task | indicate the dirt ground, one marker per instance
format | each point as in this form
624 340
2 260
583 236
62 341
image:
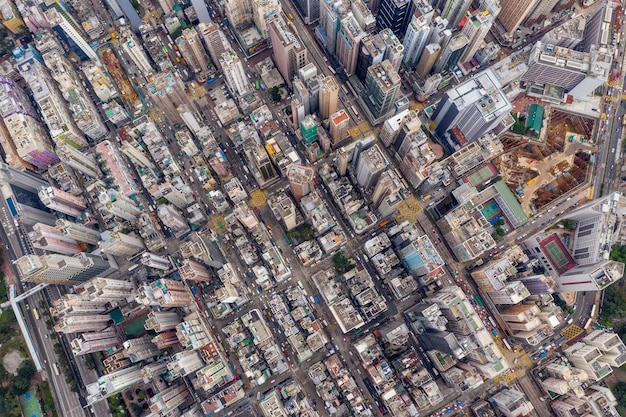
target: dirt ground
12 361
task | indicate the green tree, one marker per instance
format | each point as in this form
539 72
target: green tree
25 374
342 263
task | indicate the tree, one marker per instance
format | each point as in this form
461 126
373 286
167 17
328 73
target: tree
342 263
25 373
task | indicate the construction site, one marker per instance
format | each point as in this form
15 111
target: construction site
540 170
128 94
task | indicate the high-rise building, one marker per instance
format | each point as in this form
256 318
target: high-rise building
214 39
475 107
112 383
94 342
290 54
81 106
78 160
168 93
578 73
382 85
140 348
78 231
51 103
160 321
203 249
394 50
395 15
430 86
105 290
61 269
300 180
170 293
597 353
67 28
262 12
173 218
167 401
454 11
329 97
120 244
371 52
48 238
512 403
427 60
514 12
19 190
331 14
417 34
115 204
194 271
234 73
363 16
339 123
131 45
348 43
83 323
136 153
476 28
11 17
165 340
27 144
449 56
183 363
309 9
190 46
371 164
60 201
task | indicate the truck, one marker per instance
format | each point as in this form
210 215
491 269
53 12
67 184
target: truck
494 332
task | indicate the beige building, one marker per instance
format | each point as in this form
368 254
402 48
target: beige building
191 48
513 14
329 97
290 54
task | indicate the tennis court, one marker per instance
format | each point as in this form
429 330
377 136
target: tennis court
555 253
482 175
30 405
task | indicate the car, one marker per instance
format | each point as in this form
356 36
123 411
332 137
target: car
45 335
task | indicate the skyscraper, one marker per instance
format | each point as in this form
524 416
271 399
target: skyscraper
78 231
61 269
160 321
300 180
339 123
262 12
53 107
450 55
348 43
290 54
427 60
370 165
372 51
454 11
63 202
78 160
94 342
112 383
476 28
309 9
475 107
394 50
191 48
381 89
50 239
415 39
234 73
329 97
194 271
120 244
100 290
168 93
514 12
214 39
65 26
28 144
395 15
134 48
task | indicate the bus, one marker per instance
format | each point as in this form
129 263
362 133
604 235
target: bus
624 120
356 113
479 300
344 89
492 321
332 70
36 314
256 84
55 368
593 311
506 343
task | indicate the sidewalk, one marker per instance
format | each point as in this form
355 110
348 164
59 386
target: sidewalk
9 273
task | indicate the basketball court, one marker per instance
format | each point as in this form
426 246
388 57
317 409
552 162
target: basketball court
30 405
